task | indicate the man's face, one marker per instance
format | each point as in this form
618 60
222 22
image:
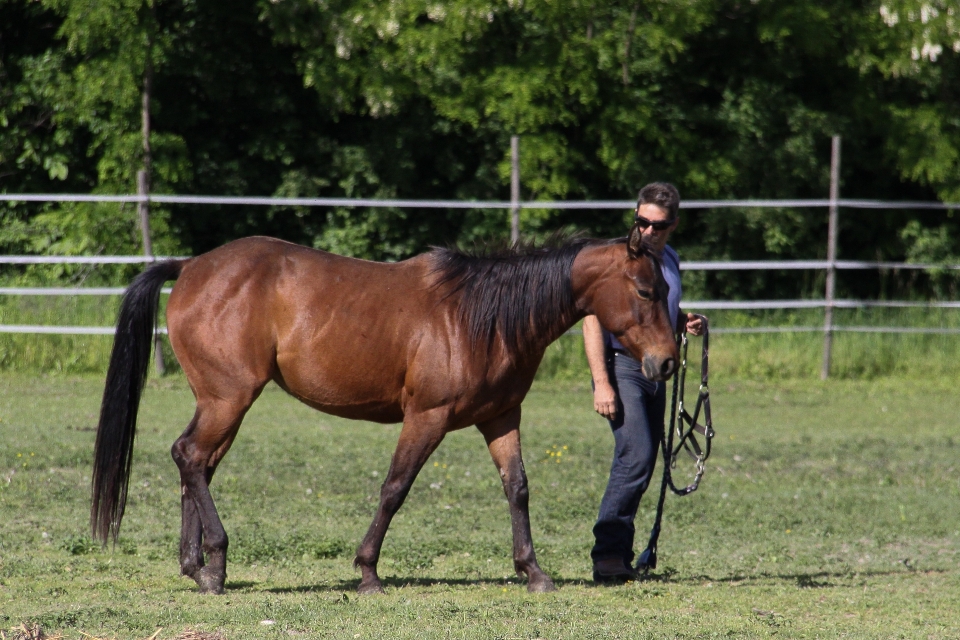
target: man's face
651 213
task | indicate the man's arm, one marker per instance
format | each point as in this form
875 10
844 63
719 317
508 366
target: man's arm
604 397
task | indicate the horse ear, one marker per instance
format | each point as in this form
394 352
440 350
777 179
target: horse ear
635 242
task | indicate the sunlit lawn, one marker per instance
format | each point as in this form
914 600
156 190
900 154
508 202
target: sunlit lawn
828 510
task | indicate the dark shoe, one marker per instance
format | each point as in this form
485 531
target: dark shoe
612 571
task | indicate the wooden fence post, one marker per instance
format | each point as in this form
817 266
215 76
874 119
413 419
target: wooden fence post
831 257
143 208
514 189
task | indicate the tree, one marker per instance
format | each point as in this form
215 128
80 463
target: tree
84 85
416 99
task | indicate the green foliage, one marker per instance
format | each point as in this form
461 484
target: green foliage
413 99
935 245
922 46
74 113
79 545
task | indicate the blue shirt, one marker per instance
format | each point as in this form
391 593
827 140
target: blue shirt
670 267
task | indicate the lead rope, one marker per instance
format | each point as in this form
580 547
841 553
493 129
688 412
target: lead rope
686 427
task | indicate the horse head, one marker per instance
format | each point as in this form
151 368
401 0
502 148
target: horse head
624 288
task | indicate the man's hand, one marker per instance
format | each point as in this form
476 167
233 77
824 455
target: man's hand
694 324
605 400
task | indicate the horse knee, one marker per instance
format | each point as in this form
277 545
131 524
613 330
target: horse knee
516 488
392 495
189 460
179 454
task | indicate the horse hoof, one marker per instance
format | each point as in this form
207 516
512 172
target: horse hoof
372 588
543 585
210 582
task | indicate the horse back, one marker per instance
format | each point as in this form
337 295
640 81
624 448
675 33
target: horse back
337 333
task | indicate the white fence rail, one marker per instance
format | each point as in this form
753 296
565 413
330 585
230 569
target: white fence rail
829 265
62 330
692 305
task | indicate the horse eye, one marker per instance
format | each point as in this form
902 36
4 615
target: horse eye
645 294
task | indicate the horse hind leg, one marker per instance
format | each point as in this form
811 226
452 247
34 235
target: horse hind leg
197 453
191 531
503 440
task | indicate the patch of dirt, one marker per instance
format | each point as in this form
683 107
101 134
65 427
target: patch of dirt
28 632
190 634
33 632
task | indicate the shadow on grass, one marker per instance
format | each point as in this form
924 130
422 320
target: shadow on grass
240 585
812 580
398 583
802 580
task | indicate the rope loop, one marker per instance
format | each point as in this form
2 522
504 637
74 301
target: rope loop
683 424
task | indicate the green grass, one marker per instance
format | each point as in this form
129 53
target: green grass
68 354
855 355
828 510
56 353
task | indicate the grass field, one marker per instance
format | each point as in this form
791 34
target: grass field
829 510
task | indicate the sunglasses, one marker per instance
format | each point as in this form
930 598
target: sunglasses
660 225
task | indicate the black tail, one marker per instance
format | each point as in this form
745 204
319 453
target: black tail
126 377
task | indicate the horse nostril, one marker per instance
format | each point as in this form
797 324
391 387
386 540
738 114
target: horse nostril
668 367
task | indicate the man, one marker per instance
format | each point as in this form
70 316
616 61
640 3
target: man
632 404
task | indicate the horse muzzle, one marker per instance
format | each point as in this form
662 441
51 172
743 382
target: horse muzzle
659 369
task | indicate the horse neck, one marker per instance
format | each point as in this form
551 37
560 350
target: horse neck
522 302
592 266
555 319
555 316
550 332
594 261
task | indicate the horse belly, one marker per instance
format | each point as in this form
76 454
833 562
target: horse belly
384 412
339 377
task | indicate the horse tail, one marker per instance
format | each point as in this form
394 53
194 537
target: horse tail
126 377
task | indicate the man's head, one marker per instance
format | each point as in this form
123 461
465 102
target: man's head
658 204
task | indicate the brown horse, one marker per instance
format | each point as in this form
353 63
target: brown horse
440 342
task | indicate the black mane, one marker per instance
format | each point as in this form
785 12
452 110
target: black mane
521 292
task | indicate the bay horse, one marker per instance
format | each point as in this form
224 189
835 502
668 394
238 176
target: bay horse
439 342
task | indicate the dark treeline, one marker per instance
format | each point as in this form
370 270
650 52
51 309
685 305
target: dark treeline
416 99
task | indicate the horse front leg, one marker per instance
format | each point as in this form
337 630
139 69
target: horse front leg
419 437
503 440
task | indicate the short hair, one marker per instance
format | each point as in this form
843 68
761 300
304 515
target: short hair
662 194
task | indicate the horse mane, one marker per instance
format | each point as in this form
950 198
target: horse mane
520 292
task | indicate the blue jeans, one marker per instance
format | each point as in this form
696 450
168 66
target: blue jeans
637 432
